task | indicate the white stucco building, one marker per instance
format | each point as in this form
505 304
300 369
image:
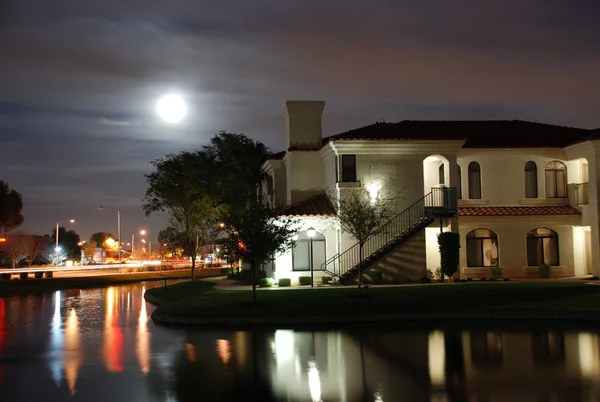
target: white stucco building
527 194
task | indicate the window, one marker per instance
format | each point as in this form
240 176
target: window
542 247
474 181
458 182
531 184
482 248
441 174
301 252
348 168
556 180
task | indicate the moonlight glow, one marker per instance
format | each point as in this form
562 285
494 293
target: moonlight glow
171 108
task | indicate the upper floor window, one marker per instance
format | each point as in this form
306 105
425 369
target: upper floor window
556 180
542 247
474 181
348 168
441 174
482 248
458 182
531 183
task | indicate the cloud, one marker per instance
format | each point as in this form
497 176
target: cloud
119 123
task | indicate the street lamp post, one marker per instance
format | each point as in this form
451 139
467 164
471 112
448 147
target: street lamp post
311 232
57 249
143 233
118 230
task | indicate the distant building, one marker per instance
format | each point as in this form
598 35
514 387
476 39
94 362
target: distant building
98 257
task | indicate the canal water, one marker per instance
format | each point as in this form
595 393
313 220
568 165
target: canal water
101 345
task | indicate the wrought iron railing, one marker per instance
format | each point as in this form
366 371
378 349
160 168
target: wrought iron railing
440 201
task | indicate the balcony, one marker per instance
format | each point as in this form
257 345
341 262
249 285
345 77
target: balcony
582 194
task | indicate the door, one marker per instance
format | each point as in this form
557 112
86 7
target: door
587 238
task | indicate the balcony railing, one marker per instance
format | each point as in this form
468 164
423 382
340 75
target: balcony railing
582 193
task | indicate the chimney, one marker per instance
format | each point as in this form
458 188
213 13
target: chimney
303 124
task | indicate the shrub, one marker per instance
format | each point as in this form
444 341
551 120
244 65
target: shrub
23 275
226 271
495 273
376 277
304 280
5 277
449 245
49 274
545 271
283 282
265 282
38 275
325 280
437 275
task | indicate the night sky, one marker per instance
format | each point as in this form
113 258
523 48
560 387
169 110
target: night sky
79 81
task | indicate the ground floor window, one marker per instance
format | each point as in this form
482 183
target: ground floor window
542 247
482 248
301 252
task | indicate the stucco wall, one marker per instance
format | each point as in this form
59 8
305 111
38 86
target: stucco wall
305 176
512 244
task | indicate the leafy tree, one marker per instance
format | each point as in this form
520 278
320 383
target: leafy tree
174 240
17 247
68 241
361 216
11 207
179 186
259 231
100 239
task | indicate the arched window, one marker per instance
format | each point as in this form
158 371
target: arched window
301 252
556 180
482 248
458 182
542 247
441 174
474 181
531 183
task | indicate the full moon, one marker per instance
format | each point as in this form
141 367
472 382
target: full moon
171 108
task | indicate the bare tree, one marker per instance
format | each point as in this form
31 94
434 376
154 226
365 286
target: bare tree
89 251
17 247
36 248
361 214
49 254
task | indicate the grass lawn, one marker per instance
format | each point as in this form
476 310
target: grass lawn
202 299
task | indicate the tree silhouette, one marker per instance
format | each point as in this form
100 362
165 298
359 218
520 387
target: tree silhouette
11 207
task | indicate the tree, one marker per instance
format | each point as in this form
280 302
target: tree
174 240
256 231
89 251
11 207
100 239
68 241
17 247
361 215
179 186
260 231
49 254
37 246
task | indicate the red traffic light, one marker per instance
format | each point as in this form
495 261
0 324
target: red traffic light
2 239
241 246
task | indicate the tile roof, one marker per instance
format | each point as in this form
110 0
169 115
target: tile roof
277 155
517 211
316 205
476 133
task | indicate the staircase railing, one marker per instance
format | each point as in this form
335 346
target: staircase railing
440 201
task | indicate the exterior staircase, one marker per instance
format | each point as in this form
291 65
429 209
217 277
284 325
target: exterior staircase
440 202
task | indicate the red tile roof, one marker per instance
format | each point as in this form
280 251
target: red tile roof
475 133
516 211
315 205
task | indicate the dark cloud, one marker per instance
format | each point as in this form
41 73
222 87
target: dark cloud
80 79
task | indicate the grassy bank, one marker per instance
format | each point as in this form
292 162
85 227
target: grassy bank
202 300
27 286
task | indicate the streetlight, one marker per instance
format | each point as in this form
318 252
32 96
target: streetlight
143 233
311 232
118 229
57 249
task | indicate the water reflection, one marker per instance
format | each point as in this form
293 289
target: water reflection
100 344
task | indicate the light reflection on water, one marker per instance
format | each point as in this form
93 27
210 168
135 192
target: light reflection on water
101 345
